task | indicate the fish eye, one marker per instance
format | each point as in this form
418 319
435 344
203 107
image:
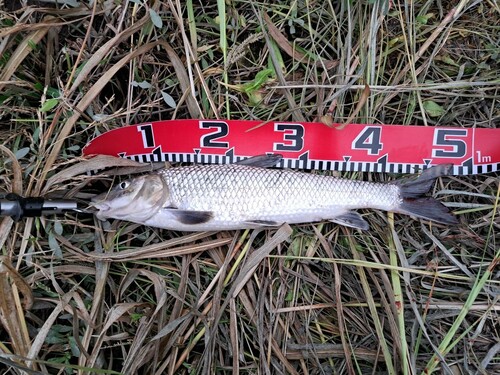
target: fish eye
123 185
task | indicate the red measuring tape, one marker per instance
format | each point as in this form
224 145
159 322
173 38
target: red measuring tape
356 147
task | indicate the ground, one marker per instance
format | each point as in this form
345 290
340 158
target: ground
81 296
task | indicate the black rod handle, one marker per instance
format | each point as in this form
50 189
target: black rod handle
17 207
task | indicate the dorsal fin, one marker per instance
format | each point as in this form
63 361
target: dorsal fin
262 161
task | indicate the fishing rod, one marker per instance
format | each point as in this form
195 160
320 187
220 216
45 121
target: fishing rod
18 207
303 145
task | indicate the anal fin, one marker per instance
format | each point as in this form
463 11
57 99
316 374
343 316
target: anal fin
351 219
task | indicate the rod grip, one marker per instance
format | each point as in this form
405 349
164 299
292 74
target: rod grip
17 207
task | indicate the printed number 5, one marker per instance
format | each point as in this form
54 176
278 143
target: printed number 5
455 148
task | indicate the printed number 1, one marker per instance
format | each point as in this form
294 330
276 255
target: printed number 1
369 139
148 139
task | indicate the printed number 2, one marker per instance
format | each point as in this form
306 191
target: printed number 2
294 135
210 139
369 139
455 148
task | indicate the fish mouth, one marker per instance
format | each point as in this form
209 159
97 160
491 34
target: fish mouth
98 198
99 210
98 205
99 201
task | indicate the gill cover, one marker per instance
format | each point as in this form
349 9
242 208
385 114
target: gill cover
134 200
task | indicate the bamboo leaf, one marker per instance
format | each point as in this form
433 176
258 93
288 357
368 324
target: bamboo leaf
155 18
49 104
433 109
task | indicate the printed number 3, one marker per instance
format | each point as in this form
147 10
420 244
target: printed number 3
293 135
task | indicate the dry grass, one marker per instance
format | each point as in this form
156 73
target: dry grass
404 298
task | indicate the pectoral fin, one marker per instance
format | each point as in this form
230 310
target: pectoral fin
262 161
351 219
191 217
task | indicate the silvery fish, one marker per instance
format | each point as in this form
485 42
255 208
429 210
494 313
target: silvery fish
250 195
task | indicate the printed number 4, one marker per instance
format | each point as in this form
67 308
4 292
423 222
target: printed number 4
369 139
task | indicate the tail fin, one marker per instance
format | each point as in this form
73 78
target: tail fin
425 207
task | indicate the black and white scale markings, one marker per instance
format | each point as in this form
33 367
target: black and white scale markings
307 164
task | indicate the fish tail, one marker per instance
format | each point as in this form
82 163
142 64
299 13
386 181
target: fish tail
414 203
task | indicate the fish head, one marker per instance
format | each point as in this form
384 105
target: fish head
135 200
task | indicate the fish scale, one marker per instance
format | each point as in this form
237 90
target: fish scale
236 196
239 192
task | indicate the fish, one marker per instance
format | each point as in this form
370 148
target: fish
251 194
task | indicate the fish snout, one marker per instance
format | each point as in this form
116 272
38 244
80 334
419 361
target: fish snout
98 205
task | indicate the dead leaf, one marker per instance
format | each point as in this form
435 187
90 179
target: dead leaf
361 102
282 234
288 48
23 50
93 164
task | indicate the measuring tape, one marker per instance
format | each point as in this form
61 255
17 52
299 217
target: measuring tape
305 145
